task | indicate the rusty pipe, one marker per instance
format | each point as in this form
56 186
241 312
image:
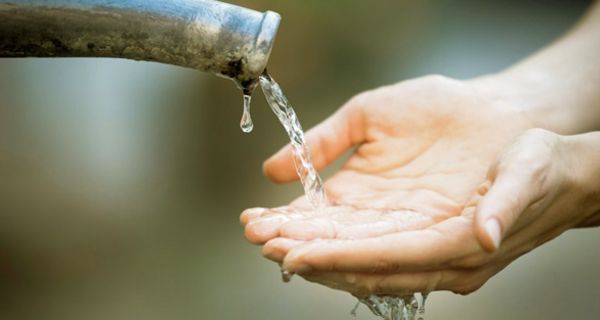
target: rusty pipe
212 36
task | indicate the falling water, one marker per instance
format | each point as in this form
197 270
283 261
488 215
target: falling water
311 181
409 307
421 311
246 122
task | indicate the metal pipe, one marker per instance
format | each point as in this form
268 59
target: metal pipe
221 38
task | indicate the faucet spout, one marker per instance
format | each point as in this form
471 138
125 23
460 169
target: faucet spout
212 36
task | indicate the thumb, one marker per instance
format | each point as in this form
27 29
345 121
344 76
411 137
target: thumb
509 195
327 142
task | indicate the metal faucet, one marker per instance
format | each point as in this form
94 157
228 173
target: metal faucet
221 38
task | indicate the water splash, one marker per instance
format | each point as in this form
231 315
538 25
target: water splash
246 123
395 308
421 311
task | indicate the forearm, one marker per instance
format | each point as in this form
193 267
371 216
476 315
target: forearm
584 154
558 88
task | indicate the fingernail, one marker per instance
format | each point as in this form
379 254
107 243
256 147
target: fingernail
492 227
293 265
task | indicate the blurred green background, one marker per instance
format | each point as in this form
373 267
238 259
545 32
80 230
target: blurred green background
121 182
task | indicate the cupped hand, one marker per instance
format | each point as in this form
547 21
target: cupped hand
423 149
535 191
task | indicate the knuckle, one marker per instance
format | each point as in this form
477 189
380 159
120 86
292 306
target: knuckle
299 257
351 279
536 133
530 157
381 264
539 142
527 157
378 265
360 100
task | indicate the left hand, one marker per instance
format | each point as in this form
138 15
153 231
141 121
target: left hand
422 148
535 191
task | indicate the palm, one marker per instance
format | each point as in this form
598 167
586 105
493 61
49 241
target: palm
421 159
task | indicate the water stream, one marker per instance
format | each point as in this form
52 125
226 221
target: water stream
311 181
387 307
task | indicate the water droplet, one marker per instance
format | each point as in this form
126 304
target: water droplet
353 311
246 123
286 276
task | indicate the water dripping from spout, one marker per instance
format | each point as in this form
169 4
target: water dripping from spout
246 123
309 176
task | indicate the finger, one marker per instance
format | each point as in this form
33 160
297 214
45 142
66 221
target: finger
399 284
471 205
351 223
497 211
265 226
260 231
309 229
432 248
518 182
276 249
251 214
327 141
296 232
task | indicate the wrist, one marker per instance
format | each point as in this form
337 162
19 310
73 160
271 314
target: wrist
545 102
584 170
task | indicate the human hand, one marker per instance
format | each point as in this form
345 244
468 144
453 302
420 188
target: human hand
541 185
424 148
